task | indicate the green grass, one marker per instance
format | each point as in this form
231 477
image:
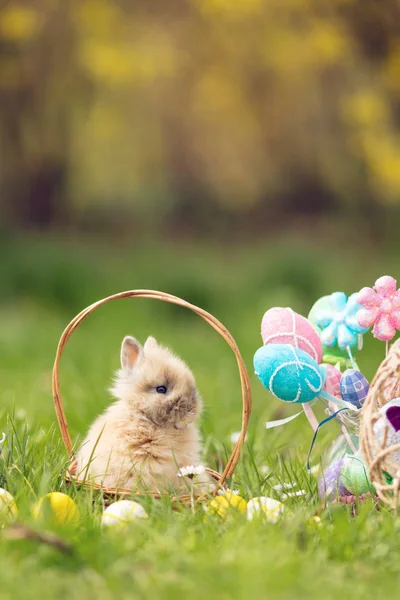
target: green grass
174 554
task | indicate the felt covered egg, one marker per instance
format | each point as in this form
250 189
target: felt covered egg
121 513
354 387
59 507
288 373
390 420
226 505
8 507
331 486
355 476
263 508
332 380
284 326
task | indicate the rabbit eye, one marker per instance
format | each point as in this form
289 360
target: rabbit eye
161 389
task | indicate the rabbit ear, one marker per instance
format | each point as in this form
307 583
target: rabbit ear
150 343
131 353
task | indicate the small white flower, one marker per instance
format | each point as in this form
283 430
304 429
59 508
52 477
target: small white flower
264 469
286 486
235 437
191 471
223 491
293 494
315 470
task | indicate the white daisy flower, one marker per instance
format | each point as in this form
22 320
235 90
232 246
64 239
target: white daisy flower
286 486
191 471
222 492
293 494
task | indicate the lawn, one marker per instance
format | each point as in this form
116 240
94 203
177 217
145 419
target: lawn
44 282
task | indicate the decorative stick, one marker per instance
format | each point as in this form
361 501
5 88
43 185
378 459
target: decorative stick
348 439
312 419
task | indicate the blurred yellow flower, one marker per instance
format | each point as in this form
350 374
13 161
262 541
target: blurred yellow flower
19 23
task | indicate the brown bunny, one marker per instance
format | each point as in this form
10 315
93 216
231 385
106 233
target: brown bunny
149 433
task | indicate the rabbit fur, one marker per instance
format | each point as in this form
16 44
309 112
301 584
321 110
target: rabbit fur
144 438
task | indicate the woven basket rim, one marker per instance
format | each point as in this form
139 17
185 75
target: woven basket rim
206 316
375 452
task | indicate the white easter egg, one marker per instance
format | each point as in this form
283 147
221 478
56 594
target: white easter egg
265 508
121 513
393 436
8 507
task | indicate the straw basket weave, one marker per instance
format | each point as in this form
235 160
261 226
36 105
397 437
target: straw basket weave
213 322
384 473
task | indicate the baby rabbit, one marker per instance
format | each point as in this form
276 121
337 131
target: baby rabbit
149 433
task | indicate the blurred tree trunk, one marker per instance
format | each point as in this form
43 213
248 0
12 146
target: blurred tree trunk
35 121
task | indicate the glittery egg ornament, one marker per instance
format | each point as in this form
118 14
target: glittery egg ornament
332 380
288 373
390 420
354 387
330 486
284 326
355 475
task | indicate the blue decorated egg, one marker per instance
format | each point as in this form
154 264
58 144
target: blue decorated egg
288 373
354 387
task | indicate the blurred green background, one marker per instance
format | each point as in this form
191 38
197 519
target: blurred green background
240 155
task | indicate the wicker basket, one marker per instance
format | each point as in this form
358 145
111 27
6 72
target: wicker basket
384 473
213 322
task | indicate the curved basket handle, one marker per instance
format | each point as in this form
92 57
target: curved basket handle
244 377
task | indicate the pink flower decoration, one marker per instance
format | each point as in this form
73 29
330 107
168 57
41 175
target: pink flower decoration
381 308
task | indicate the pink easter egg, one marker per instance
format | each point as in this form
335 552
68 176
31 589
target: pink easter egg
332 381
284 326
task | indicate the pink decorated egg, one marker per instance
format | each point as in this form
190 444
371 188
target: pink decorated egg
284 326
332 381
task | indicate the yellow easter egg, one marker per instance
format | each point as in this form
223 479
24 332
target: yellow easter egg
315 522
120 514
60 507
264 508
227 504
8 508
